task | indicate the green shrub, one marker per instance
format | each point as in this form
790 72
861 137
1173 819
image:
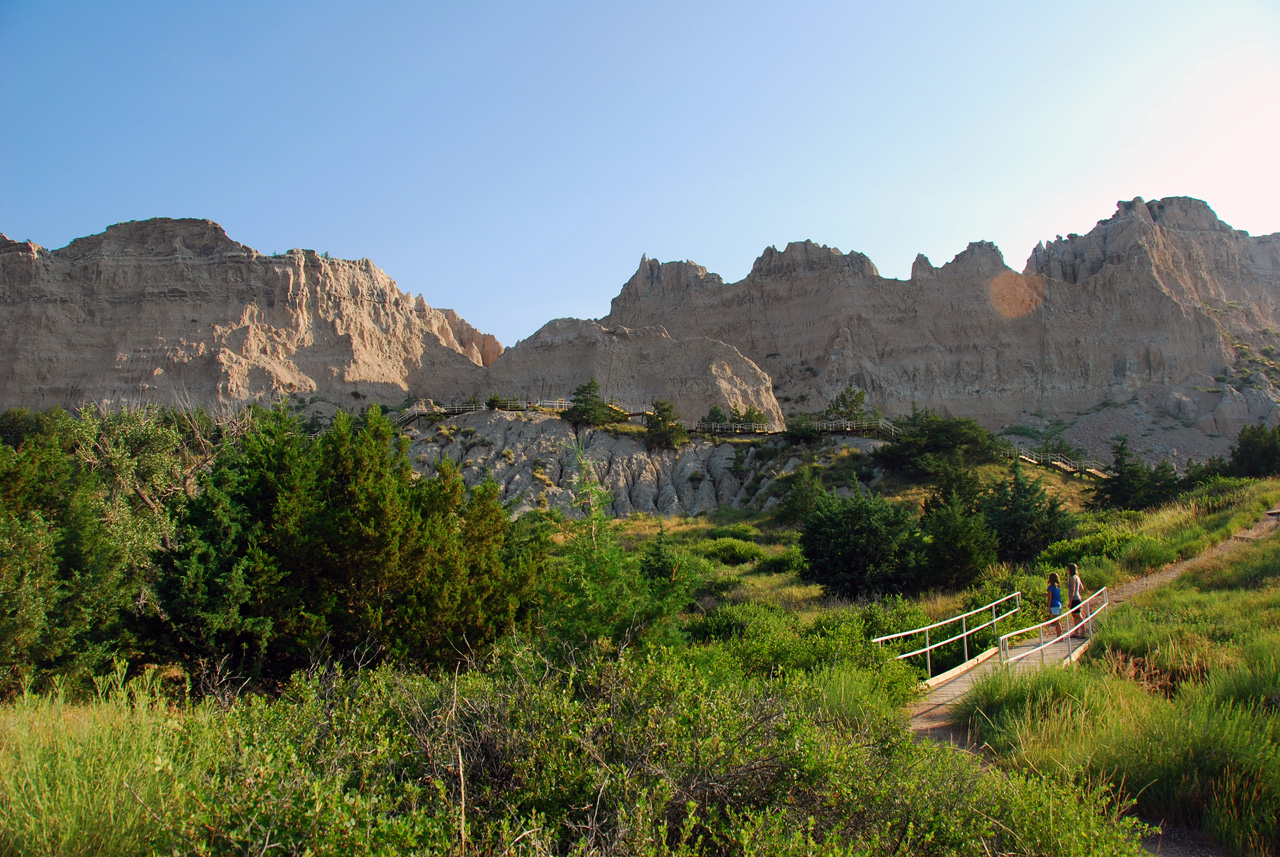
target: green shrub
861 545
730 551
663 429
790 561
739 530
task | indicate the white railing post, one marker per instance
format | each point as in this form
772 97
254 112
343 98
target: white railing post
964 630
928 654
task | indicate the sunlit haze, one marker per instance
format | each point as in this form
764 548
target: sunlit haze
514 160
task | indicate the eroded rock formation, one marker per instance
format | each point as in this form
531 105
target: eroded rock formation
634 366
175 311
1161 323
1160 319
534 459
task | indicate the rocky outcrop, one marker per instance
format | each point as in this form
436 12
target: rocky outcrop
634 367
175 311
534 458
1161 323
1162 299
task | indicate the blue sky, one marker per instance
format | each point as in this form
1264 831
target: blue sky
514 160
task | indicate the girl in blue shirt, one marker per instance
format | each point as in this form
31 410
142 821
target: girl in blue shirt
1055 603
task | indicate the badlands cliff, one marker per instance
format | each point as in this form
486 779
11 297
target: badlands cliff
533 457
1161 323
174 311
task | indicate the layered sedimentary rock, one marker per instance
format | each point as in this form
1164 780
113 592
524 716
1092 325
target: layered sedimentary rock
175 311
634 366
1161 323
534 459
1152 311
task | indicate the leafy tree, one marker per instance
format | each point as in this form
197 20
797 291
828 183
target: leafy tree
662 428
1024 518
849 404
588 407
861 545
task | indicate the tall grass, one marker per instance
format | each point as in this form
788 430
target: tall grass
1177 706
99 776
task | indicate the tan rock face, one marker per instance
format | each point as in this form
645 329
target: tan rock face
174 310
1161 322
1157 299
634 367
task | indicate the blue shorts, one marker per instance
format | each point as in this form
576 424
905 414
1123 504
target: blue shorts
1056 611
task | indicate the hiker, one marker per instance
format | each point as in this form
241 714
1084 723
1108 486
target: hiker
1075 594
1055 603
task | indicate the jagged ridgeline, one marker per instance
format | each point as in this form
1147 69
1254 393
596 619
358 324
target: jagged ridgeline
1160 323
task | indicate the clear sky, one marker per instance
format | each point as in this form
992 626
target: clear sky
514 160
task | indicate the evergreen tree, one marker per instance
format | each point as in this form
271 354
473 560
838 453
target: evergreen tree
29 596
1256 452
293 545
861 545
43 480
958 545
803 497
589 408
1127 481
235 586
751 416
662 428
849 404
927 441
716 415
1024 518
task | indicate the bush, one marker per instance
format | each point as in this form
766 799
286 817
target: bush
861 545
926 441
790 561
740 530
730 551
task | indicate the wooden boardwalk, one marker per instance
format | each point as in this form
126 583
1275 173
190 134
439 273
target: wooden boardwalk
933 708
929 716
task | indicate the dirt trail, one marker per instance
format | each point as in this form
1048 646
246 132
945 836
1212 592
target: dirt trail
1127 590
929 722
